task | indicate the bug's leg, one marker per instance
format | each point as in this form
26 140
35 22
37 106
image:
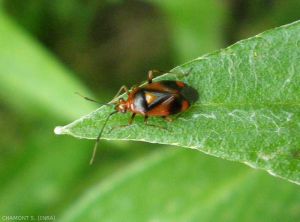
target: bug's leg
151 73
182 74
121 90
131 118
129 122
146 119
167 118
146 123
150 76
123 126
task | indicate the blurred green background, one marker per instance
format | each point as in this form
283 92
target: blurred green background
51 49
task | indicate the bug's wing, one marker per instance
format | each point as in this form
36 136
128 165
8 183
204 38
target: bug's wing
154 99
167 86
164 104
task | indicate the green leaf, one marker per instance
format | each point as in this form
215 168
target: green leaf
177 185
195 30
32 80
19 194
248 107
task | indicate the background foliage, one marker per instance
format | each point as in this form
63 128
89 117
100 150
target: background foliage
50 49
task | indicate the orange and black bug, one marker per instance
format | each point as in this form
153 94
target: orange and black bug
160 99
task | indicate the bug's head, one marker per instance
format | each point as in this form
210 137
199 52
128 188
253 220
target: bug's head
121 106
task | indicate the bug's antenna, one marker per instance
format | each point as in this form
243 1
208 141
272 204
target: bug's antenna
99 136
92 100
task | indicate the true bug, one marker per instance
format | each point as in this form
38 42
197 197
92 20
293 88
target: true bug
160 99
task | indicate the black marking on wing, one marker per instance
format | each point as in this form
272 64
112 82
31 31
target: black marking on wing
161 97
175 105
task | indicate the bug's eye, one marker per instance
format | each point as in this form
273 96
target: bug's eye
122 108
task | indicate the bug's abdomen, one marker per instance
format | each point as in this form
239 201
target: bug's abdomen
159 99
173 105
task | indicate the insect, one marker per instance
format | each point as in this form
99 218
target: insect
158 99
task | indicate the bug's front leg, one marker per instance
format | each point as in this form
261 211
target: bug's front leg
129 122
121 90
131 118
146 123
123 126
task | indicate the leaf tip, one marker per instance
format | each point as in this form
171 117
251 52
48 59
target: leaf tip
60 130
